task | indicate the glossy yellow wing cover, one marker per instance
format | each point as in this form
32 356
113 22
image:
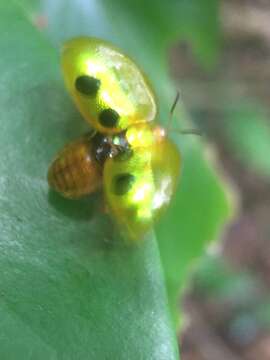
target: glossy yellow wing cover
138 188
107 87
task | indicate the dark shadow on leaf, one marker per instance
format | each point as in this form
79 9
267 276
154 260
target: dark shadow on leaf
82 209
103 234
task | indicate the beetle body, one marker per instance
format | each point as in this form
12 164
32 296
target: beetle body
130 156
75 172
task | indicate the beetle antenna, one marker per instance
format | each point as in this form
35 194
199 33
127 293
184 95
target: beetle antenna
188 132
177 97
182 132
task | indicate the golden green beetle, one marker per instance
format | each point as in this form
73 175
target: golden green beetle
128 153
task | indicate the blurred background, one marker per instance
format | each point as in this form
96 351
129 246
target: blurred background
227 302
220 62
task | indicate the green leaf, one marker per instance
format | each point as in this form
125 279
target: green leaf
195 218
67 291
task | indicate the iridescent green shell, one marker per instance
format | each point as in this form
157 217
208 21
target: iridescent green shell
108 88
139 185
136 162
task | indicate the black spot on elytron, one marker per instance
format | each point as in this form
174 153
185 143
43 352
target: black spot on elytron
87 85
124 154
108 118
122 183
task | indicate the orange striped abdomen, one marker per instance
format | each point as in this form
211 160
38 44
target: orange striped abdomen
75 172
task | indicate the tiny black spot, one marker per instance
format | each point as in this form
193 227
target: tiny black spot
108 118
87 85
123 183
